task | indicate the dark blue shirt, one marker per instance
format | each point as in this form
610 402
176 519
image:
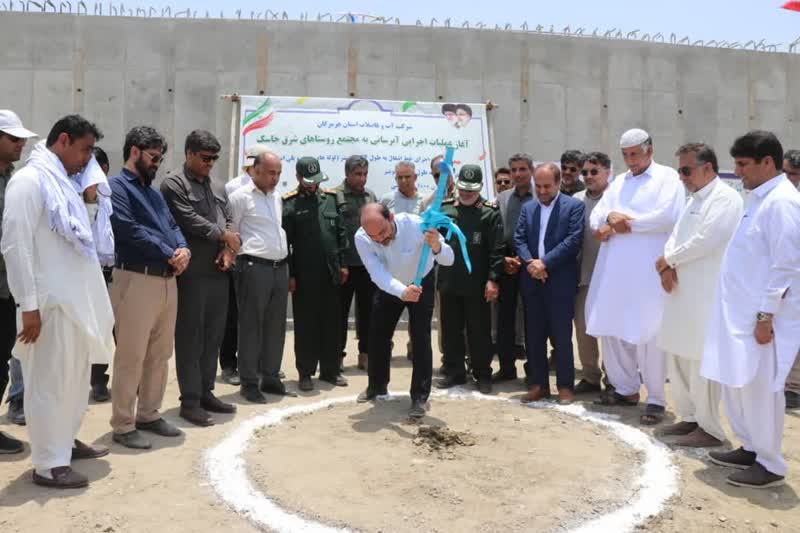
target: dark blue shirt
144 231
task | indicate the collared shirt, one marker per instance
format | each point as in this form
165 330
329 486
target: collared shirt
695 249
575 188
398 202
393 266
590 246
201 215
4 177
760 271
349 202
625 298
236 183
544 217
510 208
257 216
144 230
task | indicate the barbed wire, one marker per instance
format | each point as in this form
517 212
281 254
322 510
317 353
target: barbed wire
118 9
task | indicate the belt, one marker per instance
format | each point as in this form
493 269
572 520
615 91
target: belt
148 270
262 261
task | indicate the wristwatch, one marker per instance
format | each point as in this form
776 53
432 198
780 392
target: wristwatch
763 317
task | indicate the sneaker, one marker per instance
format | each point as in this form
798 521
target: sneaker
10 445
132 439
755 477
100 392
231 377
739 458
16 412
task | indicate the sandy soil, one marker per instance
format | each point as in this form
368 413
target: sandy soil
517 474
165 489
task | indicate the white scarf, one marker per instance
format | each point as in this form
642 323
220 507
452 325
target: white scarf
66 213
101 223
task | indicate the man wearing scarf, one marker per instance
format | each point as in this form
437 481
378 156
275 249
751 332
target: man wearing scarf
65 327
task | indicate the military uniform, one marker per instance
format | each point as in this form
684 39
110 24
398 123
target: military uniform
349 203
462 293
316 238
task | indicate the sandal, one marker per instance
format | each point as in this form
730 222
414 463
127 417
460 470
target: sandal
653 414
617 399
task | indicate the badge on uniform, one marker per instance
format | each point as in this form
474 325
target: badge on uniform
476 237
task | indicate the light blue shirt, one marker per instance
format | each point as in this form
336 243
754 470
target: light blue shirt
393 266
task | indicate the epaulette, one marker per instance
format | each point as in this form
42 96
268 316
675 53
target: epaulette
492 205
449 201
290 194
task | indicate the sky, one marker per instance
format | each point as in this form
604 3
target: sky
730 20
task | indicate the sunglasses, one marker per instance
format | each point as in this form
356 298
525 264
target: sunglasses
503 182
593 172
686 171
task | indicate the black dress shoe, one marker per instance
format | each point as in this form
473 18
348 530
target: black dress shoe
100 392
9 444
252 394
485 385
196 415
275 386
500 376
450 381
418 409
215 405
160 427
792 399
305 384
231 376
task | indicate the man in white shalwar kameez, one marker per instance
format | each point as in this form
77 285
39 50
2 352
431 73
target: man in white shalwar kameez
689 270
64 309
752 337
625 304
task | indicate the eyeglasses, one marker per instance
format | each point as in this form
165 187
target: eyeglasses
593 172
502 182
155 159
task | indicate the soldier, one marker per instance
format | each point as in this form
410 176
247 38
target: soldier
351 195
465 296
316 238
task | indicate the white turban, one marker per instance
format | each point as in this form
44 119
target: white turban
634 137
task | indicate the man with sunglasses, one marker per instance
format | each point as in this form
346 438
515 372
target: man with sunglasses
502 180
13 136
203 217
571 166
595 172
625 303
150 251
689 269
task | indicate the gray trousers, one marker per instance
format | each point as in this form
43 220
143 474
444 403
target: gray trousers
262 293
199 328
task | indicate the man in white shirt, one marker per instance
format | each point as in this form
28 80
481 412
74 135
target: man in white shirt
791 167
625 301
390 247
689 271
405 199
752 337
262 284
227 352
65 326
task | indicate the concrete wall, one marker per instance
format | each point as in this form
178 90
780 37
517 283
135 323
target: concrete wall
553 92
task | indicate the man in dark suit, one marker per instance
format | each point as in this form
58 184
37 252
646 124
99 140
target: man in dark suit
548 238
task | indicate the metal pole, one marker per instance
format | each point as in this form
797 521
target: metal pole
233 150
490 128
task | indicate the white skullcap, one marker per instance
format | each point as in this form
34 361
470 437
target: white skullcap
634 137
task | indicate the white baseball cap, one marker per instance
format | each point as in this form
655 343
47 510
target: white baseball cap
252 153
12 125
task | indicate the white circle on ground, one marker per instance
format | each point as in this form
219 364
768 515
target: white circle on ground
656 483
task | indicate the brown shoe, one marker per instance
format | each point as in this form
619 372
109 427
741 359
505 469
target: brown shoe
536 393
64 477
82 450
679 429
698 439
565 396
363 362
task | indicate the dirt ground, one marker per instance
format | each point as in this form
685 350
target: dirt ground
165 489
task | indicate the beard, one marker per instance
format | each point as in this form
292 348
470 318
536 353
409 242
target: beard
147 173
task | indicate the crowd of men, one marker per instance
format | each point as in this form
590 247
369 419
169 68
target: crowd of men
672 273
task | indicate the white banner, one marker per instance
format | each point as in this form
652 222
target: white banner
385 132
